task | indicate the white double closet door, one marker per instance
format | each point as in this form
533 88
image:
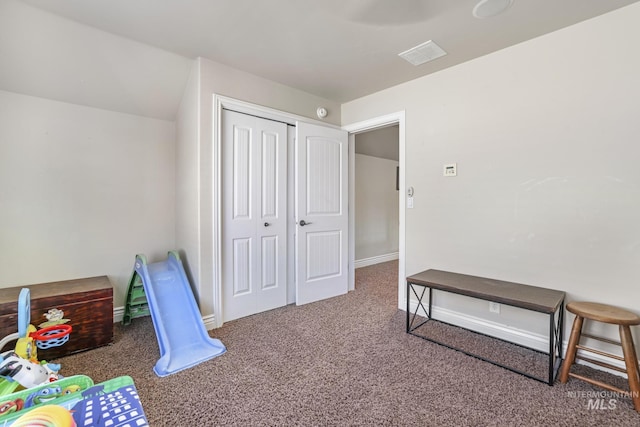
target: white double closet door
258 221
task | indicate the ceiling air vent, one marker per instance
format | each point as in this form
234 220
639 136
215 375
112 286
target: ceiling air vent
425 52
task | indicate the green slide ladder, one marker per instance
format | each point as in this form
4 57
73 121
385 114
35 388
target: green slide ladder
137 305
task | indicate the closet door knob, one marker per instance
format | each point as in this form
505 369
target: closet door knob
266 224
303 223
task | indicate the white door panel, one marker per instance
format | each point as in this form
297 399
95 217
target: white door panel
254 201
242 260
323 261
321 213
269 262
241 172
269 181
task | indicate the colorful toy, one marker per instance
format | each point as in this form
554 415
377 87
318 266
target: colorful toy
26 373
54 317
48 415
54 334
11 406
43 395
73 388
113 403
25 400
8 386
25 346
51 336
72 401
21 367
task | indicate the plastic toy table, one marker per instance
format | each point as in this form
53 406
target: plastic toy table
73 401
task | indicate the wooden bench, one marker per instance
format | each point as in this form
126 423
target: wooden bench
541 300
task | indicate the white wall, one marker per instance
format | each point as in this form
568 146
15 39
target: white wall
545 135
83 191
200 155
187 173
376 210
52 57
382 143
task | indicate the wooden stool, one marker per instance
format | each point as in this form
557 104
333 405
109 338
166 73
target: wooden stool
607 314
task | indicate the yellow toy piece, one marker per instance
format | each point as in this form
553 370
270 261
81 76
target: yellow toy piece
26 346
47 415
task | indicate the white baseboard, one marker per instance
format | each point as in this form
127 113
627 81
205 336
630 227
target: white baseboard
518 336
209 321
494 329
118 314
365 262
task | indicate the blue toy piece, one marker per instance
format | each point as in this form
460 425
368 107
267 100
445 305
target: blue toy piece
24 319
25 345
43 394
182 336
24 312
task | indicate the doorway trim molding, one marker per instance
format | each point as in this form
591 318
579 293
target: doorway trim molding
221 102
364 126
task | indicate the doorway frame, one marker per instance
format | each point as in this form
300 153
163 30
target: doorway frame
221 102
365 126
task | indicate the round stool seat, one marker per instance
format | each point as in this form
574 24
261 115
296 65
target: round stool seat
603 313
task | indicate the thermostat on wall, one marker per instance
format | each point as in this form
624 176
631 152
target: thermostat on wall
450 169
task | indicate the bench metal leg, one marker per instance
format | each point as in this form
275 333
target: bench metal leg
555 342
411 318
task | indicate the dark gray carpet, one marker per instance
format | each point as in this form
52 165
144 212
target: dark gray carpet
341 362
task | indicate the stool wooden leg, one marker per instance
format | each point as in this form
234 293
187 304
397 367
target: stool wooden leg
631 360
572 348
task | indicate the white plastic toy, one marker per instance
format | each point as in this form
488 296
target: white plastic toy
27 373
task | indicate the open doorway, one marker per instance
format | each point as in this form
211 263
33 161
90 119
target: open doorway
377 214
396 121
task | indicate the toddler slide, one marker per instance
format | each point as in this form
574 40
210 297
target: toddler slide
182 336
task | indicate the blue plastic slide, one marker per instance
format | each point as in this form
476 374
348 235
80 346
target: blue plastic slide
182 336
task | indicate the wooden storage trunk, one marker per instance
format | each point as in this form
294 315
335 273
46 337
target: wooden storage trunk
87 303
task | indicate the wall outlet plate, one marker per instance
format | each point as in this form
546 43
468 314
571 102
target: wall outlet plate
494 307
